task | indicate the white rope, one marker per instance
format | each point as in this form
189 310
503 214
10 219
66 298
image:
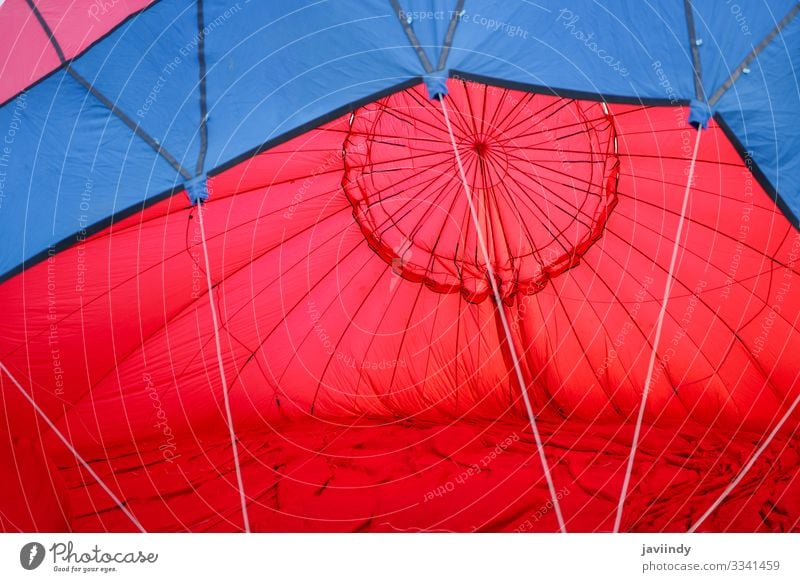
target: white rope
506 327
223 379
747 466
72 450
659 325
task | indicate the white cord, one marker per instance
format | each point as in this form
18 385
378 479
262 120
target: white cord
506 327
747 466
223 379
72 450
659 325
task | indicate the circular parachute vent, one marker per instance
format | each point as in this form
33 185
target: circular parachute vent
542 173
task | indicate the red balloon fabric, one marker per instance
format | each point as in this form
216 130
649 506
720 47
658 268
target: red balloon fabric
371 383
542 170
